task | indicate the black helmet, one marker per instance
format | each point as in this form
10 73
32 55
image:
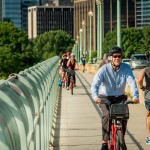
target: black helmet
115 50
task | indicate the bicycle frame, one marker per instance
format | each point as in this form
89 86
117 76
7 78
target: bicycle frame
118 114
116 126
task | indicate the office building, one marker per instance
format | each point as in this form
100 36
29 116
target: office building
143 13
109 17
11 11
128 14
45 18
81 9
16 11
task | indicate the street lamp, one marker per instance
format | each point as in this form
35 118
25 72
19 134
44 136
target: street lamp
119 23
78 56
90 13
84 36
81 31
99 29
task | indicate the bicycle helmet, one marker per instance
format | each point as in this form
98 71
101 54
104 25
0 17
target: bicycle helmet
115 50
64 55
72 54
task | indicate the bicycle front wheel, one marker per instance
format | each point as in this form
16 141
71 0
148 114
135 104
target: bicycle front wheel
120 141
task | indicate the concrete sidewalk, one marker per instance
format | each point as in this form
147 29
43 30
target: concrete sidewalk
78 121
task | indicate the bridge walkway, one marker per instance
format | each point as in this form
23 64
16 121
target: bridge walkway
78 121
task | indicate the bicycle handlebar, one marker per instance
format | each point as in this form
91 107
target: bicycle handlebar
106 101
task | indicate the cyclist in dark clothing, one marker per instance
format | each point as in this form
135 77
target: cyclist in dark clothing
63 65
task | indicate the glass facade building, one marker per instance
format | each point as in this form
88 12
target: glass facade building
65 3
11 11
16 11
128 15
143 13
109 16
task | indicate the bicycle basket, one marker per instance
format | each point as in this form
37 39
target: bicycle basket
119 111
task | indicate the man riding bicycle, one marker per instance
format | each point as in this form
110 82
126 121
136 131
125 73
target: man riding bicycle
112 79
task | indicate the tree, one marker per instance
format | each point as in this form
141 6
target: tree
131 41
145 45
52 43
15 52
110 41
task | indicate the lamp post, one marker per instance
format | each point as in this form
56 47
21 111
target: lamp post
84 37
99 29
119 23
76 50
78 56
90 52
81 31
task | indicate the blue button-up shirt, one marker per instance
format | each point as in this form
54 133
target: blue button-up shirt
113 83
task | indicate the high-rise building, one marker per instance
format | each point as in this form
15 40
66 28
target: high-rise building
66 2
128 14
11 11
109 16
143 13
16 11
45 18
81 9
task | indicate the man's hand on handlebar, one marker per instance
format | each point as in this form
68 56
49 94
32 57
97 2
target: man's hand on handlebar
98 100
136 100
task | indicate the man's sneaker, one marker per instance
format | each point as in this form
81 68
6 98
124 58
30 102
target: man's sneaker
104 146
148 140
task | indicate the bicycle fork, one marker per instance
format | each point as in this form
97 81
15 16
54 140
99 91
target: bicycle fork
116 132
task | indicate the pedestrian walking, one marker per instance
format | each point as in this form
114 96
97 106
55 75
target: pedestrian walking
145 73
104 60
83 60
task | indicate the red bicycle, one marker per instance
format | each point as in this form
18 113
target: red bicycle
118 113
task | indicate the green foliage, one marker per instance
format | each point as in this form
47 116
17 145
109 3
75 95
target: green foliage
15 49
52 43
145 45
18 53
133 41
110 41
94 55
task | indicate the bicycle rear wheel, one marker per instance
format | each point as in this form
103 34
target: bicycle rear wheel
120 145
71 84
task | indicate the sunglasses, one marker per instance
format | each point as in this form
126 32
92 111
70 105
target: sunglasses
117 56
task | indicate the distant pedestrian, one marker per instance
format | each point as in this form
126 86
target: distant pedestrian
145 73
104 60
83 60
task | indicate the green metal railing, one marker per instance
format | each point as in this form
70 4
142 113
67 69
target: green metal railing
27 102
